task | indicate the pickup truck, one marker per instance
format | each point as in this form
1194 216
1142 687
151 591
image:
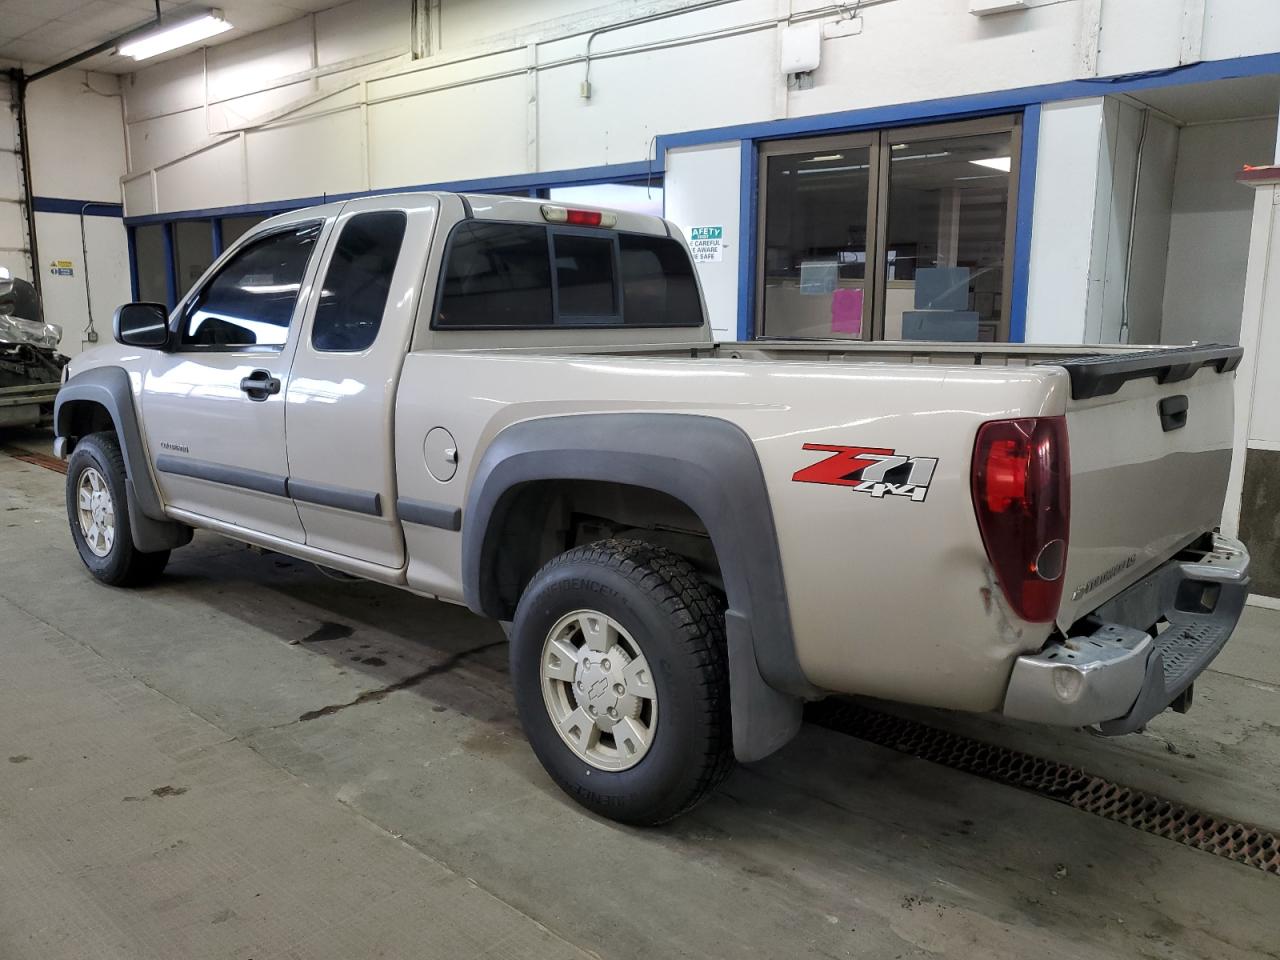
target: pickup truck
519 407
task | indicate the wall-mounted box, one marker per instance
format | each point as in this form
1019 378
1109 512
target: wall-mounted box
982 8
801 48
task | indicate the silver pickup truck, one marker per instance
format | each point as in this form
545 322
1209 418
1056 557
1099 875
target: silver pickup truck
519 407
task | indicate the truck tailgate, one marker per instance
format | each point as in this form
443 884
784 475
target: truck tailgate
1150 438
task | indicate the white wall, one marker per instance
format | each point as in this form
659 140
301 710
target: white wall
305 109
703 191
1067 171
1209 236
78 153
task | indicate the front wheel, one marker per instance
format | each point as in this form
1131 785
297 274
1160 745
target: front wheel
98 512
618 663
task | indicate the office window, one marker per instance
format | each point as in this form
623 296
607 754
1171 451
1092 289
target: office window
151 264
192 251
250 300
817 217
233 228
948 237
354 294
636 197
894 234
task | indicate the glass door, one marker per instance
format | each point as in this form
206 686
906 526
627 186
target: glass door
816 222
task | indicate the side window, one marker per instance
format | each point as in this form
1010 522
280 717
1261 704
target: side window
498 275
249 302
658 285
358 281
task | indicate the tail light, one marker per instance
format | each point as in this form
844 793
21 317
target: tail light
1022 497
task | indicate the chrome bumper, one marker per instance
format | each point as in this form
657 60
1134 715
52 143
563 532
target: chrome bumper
1120 676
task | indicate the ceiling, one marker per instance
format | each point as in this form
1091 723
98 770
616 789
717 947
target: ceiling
1233 99
41 32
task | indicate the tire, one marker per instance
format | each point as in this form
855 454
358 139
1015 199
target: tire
113 559
663 616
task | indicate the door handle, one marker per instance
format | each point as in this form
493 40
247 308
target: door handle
260 384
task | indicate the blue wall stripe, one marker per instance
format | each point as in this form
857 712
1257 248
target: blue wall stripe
952 108
747 213
581 176
1022 223
90 208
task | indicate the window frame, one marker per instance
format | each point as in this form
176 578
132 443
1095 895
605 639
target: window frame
183 313
338 233
879 198
616 321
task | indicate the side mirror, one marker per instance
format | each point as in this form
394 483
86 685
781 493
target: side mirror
142 325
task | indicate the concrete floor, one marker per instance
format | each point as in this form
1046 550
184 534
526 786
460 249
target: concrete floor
215 767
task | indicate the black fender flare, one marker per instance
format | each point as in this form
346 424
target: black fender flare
711 466
109 388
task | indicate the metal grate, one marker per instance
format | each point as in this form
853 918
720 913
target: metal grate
39 459
1059 781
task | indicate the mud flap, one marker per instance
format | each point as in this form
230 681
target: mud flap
764 720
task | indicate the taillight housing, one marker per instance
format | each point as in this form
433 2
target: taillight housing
1022 498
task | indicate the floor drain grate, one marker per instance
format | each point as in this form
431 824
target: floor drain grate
1058 781
39 459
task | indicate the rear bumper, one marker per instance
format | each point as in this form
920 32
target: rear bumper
1119 676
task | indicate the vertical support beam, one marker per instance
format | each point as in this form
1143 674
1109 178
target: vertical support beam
1023 219
131 234
216 236
1191 41
531 110
420 27
170 267
749 175
1090 37
1257 294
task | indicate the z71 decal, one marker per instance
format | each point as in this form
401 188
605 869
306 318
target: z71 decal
878 471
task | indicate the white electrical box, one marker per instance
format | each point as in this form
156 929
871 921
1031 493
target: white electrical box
801 48
982 8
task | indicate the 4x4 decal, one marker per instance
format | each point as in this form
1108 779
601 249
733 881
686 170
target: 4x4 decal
878 471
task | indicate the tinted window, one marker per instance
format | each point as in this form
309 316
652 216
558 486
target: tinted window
356 285
658 285
250 300
498 275
584 275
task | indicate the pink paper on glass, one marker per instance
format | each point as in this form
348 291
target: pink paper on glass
846 312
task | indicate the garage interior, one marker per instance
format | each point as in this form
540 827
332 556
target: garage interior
257 757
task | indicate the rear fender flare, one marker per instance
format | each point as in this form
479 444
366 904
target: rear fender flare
711 466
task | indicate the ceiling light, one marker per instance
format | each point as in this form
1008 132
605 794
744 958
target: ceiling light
824 158
995 163
171 36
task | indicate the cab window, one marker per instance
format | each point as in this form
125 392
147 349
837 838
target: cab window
249 302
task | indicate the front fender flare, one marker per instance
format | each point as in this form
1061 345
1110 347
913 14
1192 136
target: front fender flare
109 388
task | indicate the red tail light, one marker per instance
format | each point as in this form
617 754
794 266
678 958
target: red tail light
1022 496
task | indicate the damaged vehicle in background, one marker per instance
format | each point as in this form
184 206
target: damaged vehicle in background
30 364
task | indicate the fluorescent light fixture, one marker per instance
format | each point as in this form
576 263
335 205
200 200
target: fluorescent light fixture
171 36
824 158
995 163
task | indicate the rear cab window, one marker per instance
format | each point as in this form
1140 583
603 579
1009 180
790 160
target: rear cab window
501 275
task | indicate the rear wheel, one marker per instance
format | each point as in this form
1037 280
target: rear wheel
98 512
618 662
